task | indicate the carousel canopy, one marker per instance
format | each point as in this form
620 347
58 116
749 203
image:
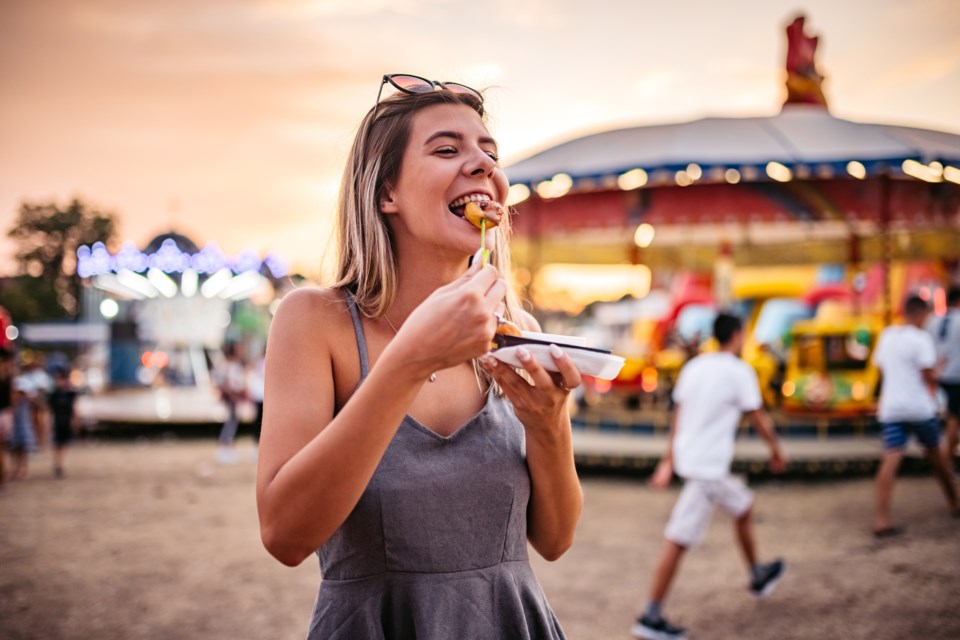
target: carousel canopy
806 139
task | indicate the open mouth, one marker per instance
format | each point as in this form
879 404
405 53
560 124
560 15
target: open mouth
457 206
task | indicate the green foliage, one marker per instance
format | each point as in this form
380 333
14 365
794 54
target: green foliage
28 299
47 237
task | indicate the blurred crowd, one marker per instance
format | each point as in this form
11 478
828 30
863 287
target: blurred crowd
37 413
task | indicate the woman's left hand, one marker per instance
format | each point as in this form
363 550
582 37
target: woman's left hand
541 405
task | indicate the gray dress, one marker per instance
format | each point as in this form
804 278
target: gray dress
436 548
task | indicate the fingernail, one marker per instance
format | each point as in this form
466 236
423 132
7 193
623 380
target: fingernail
556 351
476 258
523 354
487 362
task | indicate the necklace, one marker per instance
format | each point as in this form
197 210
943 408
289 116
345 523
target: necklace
433 376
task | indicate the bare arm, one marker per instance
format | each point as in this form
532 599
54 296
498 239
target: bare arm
556 499
664 472
313 466
764 425
931 378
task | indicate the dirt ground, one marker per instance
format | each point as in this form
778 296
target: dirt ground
153 539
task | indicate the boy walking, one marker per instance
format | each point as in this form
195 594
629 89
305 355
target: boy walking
946 336
907 358
713 392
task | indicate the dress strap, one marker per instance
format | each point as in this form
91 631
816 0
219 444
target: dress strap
358 329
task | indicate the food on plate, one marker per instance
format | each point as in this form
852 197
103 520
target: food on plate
507 328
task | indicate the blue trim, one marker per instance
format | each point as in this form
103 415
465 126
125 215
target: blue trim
874 168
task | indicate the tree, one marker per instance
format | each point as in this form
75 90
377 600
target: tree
47 238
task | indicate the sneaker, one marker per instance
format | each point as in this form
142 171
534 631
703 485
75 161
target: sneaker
226 455
771 575
649 628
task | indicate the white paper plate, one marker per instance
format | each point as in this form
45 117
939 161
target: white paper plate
592 363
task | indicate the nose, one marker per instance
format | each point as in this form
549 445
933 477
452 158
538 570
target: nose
479 164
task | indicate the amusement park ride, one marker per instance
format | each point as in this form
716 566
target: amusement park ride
169 309
814 227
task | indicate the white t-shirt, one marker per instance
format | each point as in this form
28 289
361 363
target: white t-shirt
712 393
902 353
947 343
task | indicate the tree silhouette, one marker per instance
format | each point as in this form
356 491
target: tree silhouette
47 238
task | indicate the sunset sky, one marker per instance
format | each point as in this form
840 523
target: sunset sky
230 120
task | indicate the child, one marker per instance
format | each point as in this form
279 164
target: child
61 402
711 395
22 440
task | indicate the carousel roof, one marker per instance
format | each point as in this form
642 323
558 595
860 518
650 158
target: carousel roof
803 138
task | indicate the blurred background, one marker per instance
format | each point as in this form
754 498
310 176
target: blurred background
169 171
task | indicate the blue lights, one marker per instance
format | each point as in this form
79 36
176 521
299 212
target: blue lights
95 260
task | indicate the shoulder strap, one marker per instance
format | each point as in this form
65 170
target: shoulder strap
358 330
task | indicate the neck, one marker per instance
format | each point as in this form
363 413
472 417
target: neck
419 273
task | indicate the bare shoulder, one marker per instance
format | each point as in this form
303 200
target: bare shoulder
309 318
311 304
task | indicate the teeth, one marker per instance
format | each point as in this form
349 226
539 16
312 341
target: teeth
473 197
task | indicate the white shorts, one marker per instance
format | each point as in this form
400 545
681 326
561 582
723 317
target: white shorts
691 515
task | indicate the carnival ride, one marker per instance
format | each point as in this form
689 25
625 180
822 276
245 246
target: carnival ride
876 205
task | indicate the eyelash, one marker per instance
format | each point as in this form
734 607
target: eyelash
452 150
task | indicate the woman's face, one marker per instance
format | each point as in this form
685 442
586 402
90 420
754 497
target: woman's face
450 155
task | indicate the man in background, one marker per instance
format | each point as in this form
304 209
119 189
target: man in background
713 392
907 357
946 337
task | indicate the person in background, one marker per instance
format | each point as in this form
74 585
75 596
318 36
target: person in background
22 439
255 375
38 385
6 408
713 392
232 383
907 357
61 402
946 336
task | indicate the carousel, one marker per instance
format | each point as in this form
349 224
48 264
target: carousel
168 310
801 187
648 230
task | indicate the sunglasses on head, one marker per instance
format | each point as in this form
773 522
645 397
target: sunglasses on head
415 84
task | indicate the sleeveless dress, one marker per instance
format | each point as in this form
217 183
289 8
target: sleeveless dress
436 548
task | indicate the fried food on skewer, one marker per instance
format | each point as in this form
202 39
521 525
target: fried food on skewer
478 212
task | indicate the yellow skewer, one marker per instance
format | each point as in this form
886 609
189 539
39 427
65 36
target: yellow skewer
483 244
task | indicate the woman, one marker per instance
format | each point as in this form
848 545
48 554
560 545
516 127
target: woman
416 475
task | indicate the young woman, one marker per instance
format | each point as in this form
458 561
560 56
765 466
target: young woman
416 466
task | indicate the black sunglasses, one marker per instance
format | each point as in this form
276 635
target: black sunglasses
415 84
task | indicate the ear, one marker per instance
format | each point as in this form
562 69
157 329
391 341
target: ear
388 202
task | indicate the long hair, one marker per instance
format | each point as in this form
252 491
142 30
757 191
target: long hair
366 263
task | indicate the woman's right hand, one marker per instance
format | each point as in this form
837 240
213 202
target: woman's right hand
455 323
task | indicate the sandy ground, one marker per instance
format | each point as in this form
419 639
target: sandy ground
153 539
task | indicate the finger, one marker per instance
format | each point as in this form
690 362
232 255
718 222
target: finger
569 374
508 379
478 281
540 376
495 295
476 263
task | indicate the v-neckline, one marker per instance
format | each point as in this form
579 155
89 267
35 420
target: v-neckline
419 426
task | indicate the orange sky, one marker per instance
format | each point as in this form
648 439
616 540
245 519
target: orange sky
229 120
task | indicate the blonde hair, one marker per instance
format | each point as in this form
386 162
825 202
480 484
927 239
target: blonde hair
366 264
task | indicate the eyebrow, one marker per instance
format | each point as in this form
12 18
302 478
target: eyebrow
458 136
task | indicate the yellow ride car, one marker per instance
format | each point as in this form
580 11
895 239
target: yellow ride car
830 370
